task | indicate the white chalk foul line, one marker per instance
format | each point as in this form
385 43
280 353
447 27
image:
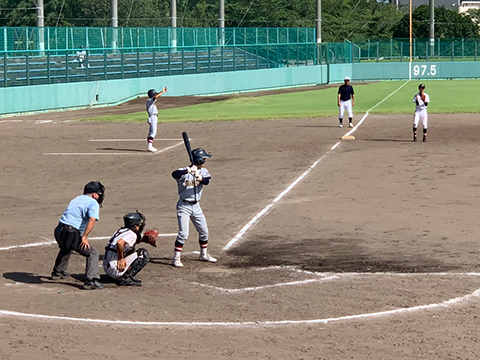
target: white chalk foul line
127 140
54 242
324 277
256 288
267 208
117 154
446 303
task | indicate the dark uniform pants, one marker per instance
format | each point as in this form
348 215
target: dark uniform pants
63 235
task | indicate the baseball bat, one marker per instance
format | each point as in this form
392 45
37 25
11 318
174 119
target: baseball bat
186 140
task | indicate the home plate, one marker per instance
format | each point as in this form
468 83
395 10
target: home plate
348 137
215 270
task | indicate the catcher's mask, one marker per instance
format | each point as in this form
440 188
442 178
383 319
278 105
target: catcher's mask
95 187
136 218
421 86
151 93
199 156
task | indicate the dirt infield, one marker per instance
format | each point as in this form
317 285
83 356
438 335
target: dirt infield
370 253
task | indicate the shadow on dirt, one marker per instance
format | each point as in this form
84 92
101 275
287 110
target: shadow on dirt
327 255
29 278
126 150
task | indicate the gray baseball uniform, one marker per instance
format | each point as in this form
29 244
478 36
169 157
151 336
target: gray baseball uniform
152 117
188 206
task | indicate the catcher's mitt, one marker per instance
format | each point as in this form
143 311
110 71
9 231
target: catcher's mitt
150 237
424 97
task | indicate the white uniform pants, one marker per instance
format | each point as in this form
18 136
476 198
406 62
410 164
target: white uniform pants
187 212
345 105
420 115
111 269
152 121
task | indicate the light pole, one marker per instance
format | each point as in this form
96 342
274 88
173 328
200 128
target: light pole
173 21
114 24
41 27
221 22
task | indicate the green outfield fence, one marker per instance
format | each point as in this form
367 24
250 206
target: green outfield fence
71 38
35 56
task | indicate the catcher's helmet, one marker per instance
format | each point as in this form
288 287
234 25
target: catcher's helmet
421 86
199 155
95 187
151 93
136 218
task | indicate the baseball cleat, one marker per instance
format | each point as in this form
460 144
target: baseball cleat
177 263
424 139
92 284
152 149
58 275
340 125
207 257
127 280
415 138
351 125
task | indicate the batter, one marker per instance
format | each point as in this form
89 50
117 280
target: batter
191 180
421 100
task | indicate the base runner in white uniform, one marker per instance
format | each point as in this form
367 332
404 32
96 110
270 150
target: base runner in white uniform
121 261
153 116
191 180
421 100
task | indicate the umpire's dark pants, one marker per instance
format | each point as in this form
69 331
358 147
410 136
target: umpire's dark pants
92 270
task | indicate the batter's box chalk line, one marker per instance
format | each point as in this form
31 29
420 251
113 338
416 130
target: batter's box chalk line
445 304
319 277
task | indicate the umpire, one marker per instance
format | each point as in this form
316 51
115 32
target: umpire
72 231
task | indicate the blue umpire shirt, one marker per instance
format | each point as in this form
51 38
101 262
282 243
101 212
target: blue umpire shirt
79 212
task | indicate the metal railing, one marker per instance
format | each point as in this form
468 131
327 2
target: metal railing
29 67
63 38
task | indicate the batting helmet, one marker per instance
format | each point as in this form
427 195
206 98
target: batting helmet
199 155
136 218
421 86
95 187
151 93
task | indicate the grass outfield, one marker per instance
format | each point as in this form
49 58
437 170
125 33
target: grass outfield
446 96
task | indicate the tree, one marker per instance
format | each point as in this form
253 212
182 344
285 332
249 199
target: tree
449 24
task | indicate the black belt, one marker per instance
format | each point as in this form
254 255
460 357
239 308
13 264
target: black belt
190 202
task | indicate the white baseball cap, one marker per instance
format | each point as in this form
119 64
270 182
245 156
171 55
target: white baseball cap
347 78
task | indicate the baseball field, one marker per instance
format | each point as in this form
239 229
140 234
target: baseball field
327 248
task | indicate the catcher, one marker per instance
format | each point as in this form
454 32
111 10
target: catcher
421 100
121 261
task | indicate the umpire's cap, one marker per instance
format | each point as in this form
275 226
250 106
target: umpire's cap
95 187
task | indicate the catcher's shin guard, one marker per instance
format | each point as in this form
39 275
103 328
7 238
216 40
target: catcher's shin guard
139 263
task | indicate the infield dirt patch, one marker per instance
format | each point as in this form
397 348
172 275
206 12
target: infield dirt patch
379 224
